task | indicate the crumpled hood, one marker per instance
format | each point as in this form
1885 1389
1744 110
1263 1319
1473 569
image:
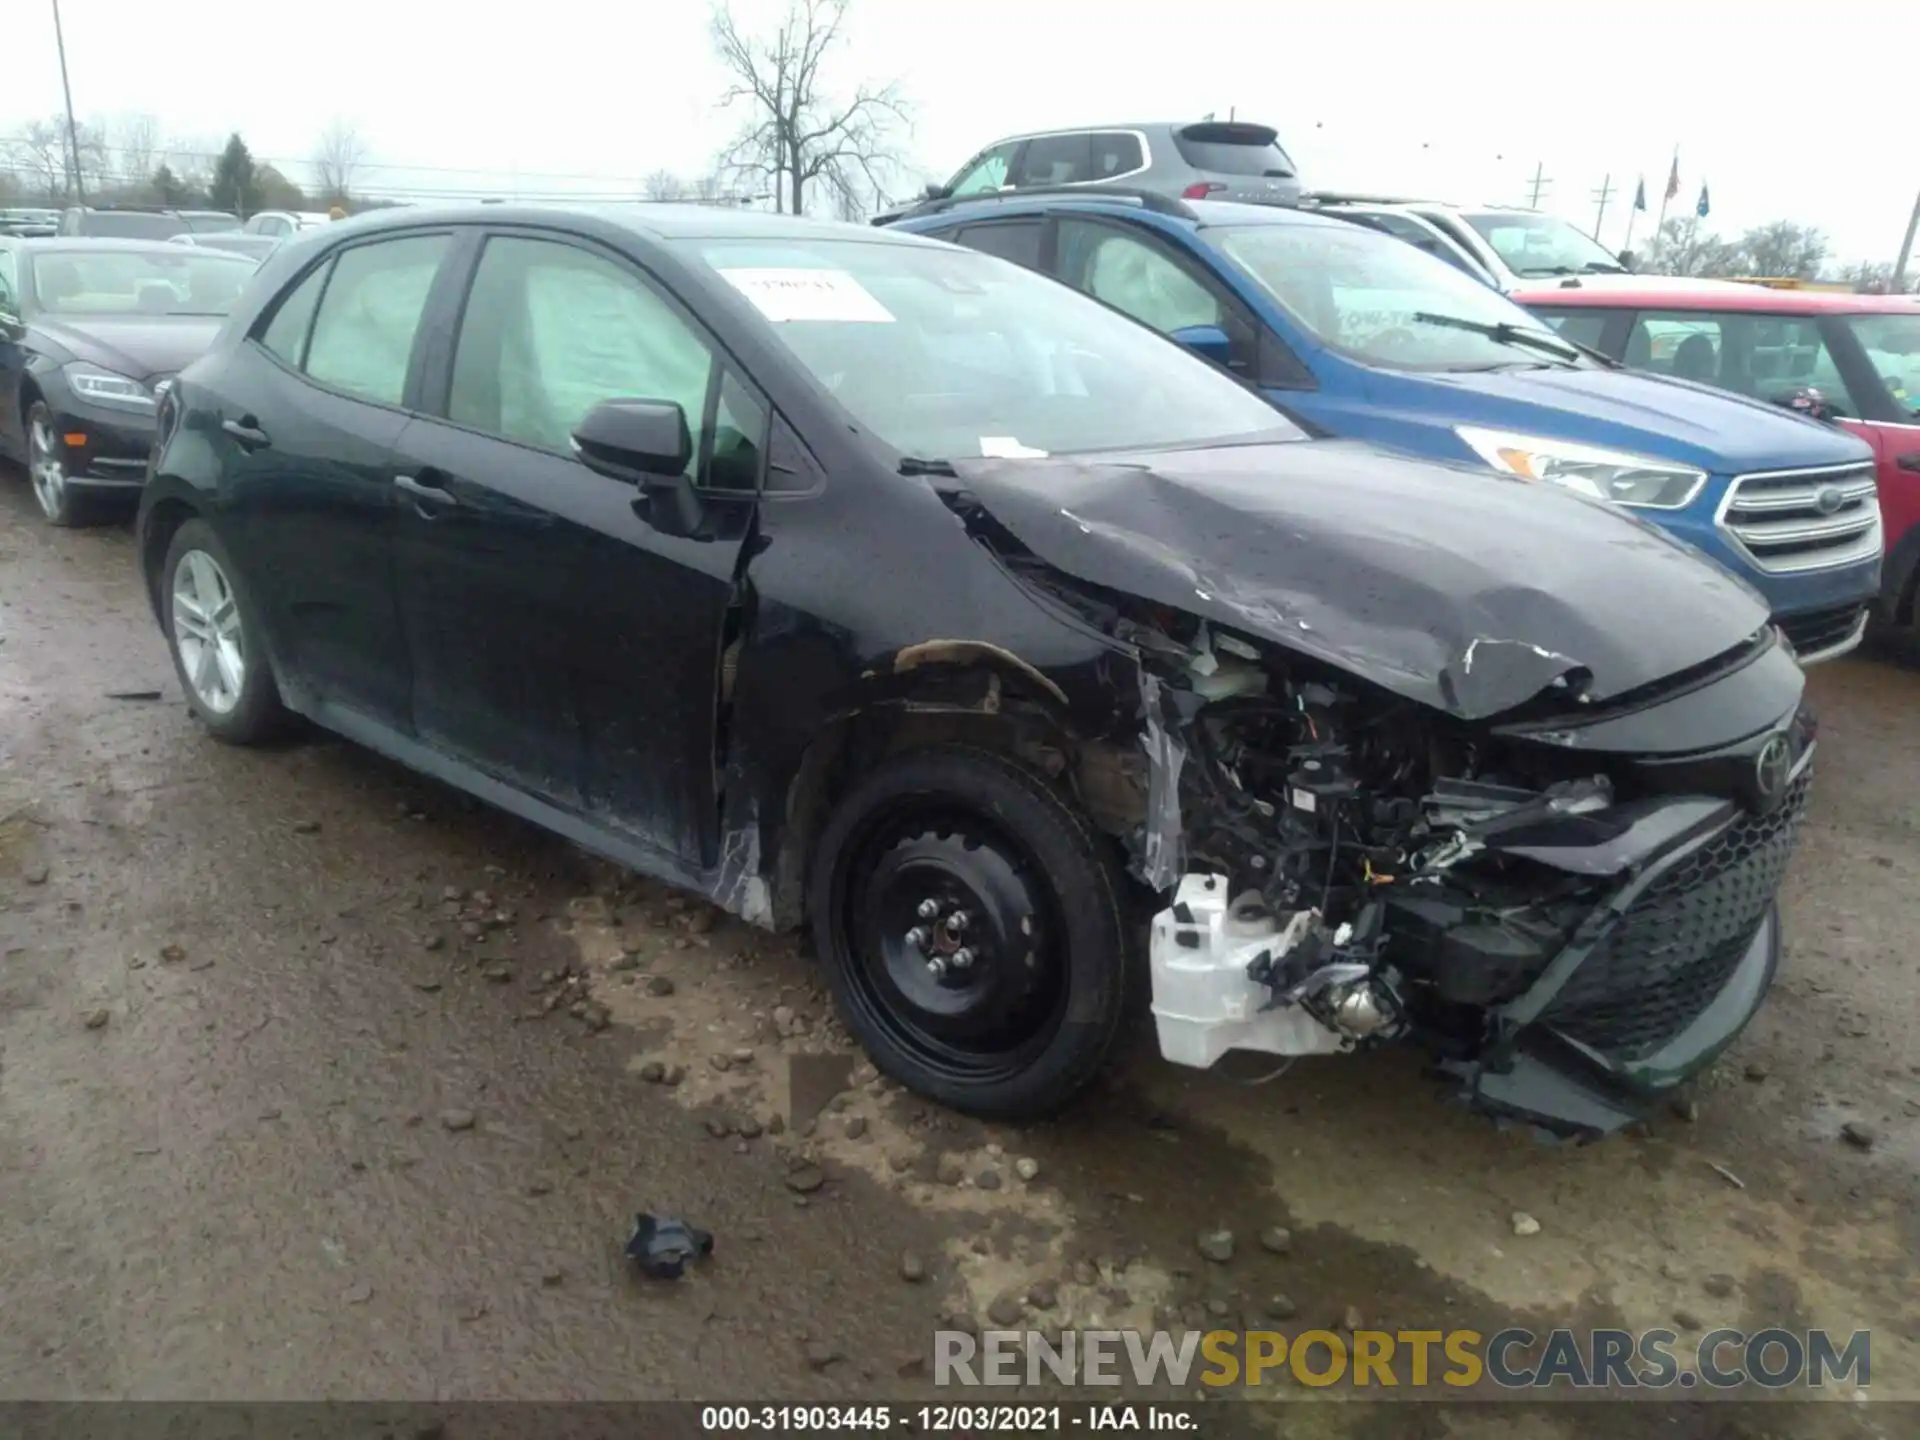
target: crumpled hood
1456 587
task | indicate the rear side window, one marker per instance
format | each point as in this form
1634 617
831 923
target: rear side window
1056 160
1116 153
1764 357
286 334
1232 149
131 225
363 333
1015 240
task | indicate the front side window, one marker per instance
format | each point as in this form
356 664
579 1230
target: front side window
941 353
551 330
1584 327
363 334
1892 344
1764 357
169 280
286 334
1134 276
1386 303
988 172
1533 245
1056 160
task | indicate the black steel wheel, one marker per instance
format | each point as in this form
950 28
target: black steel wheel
972 931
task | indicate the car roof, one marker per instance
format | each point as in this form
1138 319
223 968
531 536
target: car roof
1741 299
1202 214
666 222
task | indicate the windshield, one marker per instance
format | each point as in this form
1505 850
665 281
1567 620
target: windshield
1530 244
167 281
946 353
1384 302
1892 343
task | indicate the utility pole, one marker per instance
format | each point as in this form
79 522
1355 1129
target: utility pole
1539 186
1906 250
1603 194
73 135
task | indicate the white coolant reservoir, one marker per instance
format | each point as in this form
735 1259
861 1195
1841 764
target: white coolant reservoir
1203 1003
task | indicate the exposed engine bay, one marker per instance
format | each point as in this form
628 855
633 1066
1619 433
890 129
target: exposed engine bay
1345 867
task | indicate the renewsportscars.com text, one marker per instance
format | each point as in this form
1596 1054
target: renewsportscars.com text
1599 1360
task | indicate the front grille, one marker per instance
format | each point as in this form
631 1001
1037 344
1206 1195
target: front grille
1675 947
1787 521
1818 631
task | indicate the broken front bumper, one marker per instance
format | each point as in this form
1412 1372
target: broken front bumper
1658 980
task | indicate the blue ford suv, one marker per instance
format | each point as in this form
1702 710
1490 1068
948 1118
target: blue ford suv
1363 335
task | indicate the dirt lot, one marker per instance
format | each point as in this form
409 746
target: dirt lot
295 1102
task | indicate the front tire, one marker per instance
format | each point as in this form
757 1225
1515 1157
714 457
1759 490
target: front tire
213 630
972 932
47 472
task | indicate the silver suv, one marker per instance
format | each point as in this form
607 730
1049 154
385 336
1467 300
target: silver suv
1205 160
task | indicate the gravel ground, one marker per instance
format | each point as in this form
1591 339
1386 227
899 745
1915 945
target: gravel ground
319 1081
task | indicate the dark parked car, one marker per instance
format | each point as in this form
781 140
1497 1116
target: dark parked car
852 579
123 222
88 330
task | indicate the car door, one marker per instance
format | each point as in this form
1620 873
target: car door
13 357
559 643
311 407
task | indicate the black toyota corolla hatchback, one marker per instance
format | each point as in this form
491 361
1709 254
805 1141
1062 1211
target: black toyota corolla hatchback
856 581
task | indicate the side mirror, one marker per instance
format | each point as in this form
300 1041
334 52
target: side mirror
646 444
1629 259
1209 342
938 192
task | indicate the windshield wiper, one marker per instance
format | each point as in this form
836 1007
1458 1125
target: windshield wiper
1602 267
1502 332
914 465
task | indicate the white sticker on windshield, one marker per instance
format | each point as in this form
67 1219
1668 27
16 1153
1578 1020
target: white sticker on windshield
783 295
1005 447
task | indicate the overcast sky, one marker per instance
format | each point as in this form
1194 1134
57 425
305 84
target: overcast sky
1458 101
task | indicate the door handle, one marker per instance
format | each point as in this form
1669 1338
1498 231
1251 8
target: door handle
247 431
424 494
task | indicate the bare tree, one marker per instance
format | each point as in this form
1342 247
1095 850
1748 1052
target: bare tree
663 185
798 133
1785 248
338 159
135 150
1685 247
37 151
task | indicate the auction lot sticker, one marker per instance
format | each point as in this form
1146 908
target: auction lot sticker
833 295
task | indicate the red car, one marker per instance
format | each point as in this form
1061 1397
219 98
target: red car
1857 357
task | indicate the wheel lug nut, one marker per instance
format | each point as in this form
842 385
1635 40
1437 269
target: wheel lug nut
936 967
918 937
962 958
957 921
928 909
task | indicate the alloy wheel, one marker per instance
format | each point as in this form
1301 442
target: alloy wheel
46 467
207 633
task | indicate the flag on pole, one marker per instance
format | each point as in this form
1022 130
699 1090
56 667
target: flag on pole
1702 207
1640 194
1673 179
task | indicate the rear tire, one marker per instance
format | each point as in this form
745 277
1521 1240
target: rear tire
1010 1001
213 632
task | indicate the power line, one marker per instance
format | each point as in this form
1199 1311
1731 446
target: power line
1602 195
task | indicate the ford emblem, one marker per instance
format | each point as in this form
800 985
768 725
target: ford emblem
1830 499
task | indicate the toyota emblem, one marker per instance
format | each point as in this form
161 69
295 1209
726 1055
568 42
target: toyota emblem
1772 769
1830 499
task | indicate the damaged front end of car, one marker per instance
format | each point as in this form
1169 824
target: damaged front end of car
1557 875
